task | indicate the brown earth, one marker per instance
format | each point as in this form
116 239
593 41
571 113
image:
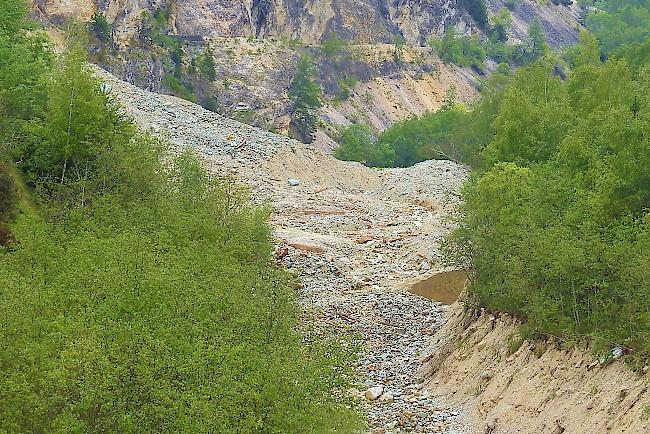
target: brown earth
541 388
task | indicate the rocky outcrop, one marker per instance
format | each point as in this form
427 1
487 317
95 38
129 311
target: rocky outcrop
256 44
386 96
362 21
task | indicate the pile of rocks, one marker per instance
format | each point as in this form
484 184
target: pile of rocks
188 125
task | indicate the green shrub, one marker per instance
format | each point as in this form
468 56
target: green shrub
333 47
501 22
357 143
100 27
459 49
423 138
556 223
158 312
144 296
179 88
8 194
306 97
620 22
346 84
207 67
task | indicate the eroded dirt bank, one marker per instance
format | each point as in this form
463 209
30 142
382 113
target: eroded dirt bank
539 389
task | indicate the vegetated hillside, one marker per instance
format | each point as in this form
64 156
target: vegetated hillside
137 293
555 220
239 59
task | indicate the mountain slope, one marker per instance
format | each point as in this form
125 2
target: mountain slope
354 236
255 46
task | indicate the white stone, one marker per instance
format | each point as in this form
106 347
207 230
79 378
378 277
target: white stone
374 392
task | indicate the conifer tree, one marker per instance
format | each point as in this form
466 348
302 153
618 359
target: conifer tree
306 95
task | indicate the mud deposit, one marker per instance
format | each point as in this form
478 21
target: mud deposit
442 287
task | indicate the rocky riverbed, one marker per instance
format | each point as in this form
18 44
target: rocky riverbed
356 237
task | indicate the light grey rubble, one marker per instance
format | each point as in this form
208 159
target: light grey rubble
356 237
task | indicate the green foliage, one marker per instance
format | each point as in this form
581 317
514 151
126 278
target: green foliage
25 59
157 27
306 95
140 285
501 52
211 103
100 27
533 117
636 55
357 143
534 47
8 194
207 66
501 22
444 134
429 136
537 39
620 22
459 49
179 88
333 47
60 147
470 51
143 296
81 123
346 84
159 313
477 10
398 54
556 223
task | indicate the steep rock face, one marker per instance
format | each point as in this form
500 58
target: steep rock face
57 12
363 21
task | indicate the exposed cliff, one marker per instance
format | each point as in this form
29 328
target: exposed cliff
363 21
255 45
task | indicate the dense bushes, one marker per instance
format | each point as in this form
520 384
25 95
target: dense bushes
620 22
459 49
435 135
357 143
424 138
8 195
142 296
556 222
157 310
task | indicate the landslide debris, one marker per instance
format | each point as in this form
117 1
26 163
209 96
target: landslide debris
352 234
